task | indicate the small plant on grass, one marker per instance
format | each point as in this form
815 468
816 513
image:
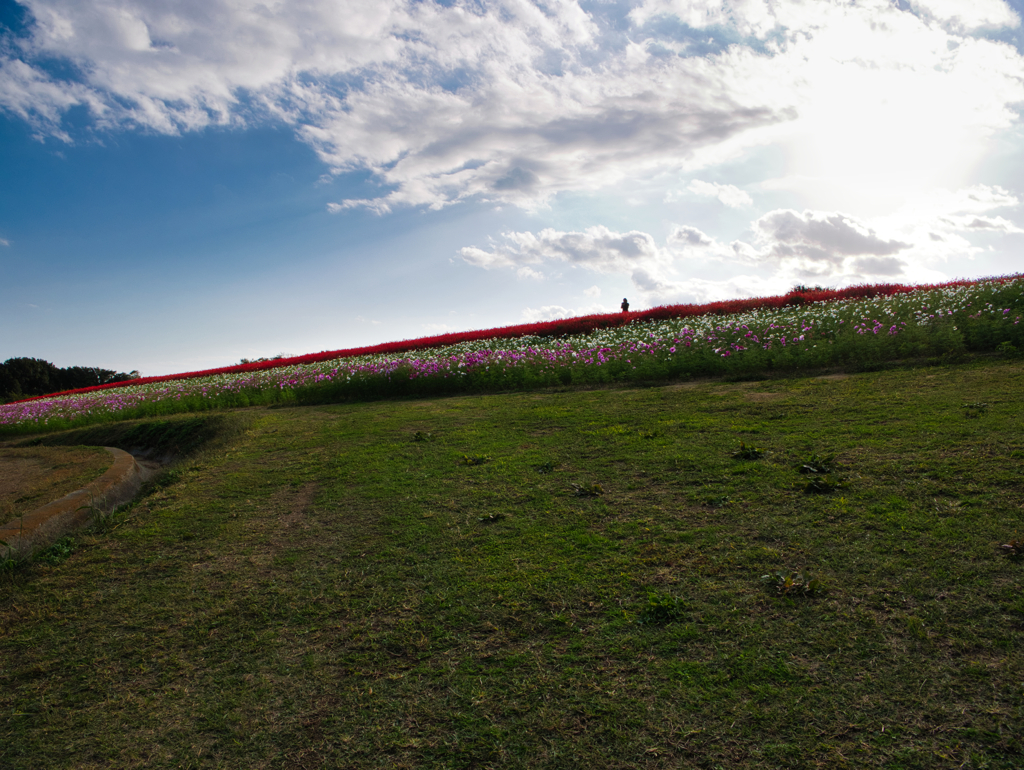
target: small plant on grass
660 610
7 561
57 553
974 411
747 452
948 507
792 583
421 435
818 464
474 459
491 519
545 467
587 490
1014 548
101 519
823 485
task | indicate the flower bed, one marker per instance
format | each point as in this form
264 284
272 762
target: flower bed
798 331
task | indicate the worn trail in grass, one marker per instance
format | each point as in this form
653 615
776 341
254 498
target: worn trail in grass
421 584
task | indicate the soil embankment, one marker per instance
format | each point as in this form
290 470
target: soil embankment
46 492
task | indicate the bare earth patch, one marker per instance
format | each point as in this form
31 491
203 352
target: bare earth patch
34 476
762 396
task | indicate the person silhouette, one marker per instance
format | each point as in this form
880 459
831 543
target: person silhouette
625 305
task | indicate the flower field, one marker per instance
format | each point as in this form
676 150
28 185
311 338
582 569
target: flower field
859 327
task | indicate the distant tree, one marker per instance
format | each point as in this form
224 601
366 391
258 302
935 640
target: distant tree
278 357
25 377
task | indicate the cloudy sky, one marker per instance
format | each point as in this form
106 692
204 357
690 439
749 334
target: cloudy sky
189 182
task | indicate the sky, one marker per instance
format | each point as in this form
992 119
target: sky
186 183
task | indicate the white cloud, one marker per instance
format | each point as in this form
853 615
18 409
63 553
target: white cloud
817 236
435 328
748 17
4 242
786 247
973 14
635 254
596 248
528 272
514 102
912 243
547 313
728 194
593 291
829 248
941 223
686 237
554 312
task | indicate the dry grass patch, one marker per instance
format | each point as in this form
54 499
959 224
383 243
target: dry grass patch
34 476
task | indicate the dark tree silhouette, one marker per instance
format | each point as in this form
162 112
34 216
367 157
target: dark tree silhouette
24 377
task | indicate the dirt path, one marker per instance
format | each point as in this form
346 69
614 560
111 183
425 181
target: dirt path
33 476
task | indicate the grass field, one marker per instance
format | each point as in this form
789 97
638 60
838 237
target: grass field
552 580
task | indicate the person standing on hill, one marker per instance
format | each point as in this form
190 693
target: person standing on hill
625 305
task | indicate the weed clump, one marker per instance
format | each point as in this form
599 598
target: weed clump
660 610
58 553
792 583
587 490
1014 548
974 411
823 485
816 463
748 452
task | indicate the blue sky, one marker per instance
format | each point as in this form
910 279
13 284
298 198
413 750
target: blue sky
188 183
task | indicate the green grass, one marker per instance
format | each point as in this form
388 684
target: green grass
171 437
337 586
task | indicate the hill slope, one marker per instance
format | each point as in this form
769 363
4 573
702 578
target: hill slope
553 580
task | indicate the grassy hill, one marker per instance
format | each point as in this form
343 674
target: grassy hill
552 580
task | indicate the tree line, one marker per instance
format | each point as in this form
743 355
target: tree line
25 377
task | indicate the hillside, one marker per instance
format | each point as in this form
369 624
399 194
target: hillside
598 578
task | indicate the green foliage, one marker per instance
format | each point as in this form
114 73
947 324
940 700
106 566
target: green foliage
422 435
25 377
327 593
792 583
7 560
747 452
587 490
661 609
474 459
823 485
816 463
58 552
178 436
974 411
